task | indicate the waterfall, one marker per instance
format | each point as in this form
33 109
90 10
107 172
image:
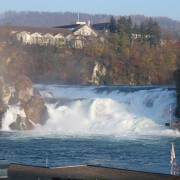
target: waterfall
123 111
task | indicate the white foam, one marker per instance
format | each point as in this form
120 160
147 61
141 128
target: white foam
10 116
128 115
119 113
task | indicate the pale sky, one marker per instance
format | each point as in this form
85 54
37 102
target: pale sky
167 8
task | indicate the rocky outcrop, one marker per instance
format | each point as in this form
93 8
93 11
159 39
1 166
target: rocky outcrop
32 104
17 96
99 73
177 83
35 110
5 95
24 90
18 124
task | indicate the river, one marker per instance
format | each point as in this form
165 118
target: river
113 126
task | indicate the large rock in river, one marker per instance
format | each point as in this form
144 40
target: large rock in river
33 105
35 110
5 95
24 89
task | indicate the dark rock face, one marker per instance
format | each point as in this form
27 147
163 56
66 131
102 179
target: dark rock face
17 125
24 89
32 104
32 109
5 95
177 82
35 110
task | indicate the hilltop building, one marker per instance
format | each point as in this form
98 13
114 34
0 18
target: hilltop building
42 36
73 36
80 34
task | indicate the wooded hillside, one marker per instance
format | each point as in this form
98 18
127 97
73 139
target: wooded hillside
51 19
140 60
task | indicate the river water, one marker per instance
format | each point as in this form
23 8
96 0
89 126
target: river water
112 126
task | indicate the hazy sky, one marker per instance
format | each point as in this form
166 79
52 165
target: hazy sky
167 8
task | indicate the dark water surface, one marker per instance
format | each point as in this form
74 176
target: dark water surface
151 154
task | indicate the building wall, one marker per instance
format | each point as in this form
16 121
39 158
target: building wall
37 38
82 36
85 31
77 39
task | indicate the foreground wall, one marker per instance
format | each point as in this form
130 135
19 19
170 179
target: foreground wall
24 172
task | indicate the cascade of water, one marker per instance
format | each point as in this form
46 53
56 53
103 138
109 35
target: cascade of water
108 112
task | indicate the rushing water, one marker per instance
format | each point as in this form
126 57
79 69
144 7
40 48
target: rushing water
116 126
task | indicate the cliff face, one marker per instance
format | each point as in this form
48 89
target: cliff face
32 104
23 96
177 82
99 72
4 97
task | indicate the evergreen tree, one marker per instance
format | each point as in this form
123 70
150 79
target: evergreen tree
135 32
124 29
143 31
129 27
112 25
153 32
135 29
121 25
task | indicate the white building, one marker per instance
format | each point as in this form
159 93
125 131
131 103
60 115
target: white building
77 37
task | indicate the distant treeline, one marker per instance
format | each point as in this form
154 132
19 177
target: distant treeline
51 19
124 32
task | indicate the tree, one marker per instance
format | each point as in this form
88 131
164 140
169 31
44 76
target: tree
112 25
124 29
143 31
129 27
153 32
116 41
